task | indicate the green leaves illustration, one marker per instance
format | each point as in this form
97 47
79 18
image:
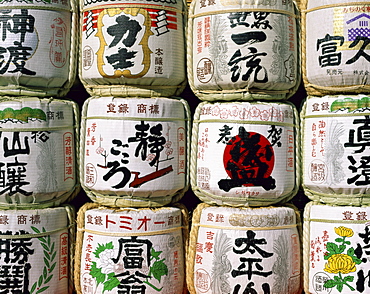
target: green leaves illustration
49 261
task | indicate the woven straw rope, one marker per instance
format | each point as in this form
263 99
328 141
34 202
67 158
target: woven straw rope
39 235
337 198
300 234
193 239
306 246
129 200
79 241
74 47
313 89
279 11
67 196
41 91
237 201
185 236
307 234
246 228
71 214
190 254
71 239
80 234
124 89
245 93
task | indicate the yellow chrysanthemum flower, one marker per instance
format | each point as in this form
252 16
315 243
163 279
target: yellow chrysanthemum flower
340 263
343 231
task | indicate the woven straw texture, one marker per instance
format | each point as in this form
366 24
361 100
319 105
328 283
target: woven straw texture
330 193
306 249
52 200
38 85
246 93
129 199
234 200
134 90
148 83
346 81
81 227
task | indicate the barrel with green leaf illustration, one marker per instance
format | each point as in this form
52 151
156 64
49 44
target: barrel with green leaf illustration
38 163
335 248
127 250
36 250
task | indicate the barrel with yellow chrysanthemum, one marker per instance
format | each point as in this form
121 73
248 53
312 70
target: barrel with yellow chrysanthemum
335 248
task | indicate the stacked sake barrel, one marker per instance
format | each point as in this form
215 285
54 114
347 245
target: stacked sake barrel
39 134
134 148
335 145
243 63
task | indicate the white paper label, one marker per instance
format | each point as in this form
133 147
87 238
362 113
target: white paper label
137 261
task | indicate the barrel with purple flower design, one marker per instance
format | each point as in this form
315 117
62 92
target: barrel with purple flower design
134 150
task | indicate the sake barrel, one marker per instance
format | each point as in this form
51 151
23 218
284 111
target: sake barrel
335 58
244 153
246 50
244 250
335 249
335 144
134 151
36 250
38 47
129 250
38 155
133 48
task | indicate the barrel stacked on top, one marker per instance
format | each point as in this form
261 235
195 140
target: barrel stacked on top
134 148
244 63
39 136
334 120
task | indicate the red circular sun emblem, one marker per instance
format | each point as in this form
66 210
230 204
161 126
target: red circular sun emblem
248 160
